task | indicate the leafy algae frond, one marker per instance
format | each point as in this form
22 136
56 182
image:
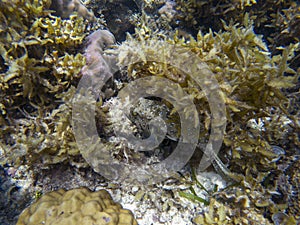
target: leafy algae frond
40 65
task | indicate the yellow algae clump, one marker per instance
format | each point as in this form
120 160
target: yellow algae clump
76 206
40 64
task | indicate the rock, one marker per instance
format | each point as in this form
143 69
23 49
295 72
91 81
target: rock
76 206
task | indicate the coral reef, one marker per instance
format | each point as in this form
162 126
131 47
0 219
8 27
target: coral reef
251 80
227 54
77 206
40 65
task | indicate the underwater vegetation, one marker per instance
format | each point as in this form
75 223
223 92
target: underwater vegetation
42 60
40 64
257 110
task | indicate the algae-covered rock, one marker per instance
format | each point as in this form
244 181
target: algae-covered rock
251 80
77 206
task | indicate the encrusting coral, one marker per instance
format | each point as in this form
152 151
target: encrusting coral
76 206
98 64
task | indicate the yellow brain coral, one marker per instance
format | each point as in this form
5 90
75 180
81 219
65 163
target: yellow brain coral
76 206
